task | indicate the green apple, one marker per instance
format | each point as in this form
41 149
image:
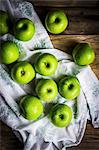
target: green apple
32 107
46 90
4 22
61 115
69 87
23 72
46 64
83 54
9 52
24 29
56 21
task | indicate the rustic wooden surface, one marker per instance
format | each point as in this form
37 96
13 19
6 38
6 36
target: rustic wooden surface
83 26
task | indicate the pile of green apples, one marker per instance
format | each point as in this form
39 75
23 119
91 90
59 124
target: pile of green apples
46 64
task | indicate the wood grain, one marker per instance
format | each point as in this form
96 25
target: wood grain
81 20
67 43
8 140
66 3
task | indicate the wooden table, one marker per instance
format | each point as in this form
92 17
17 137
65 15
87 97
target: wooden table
83 26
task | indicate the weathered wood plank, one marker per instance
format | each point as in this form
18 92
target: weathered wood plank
8 140
66 3
67 42
81 20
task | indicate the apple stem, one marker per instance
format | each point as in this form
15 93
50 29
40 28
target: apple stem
70 86
22 73
61 116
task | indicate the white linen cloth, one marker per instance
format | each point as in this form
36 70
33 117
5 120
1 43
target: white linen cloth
42 134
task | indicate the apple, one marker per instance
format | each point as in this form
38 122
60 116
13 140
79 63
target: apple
56 21
9 52
46 90
4 22
23 72
83 54
61 115
32 107
69 87
24 29
46 64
